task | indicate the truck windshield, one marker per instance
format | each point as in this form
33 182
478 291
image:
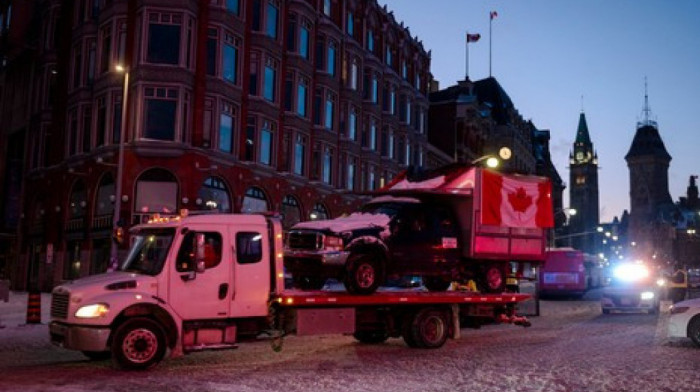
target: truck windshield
148 251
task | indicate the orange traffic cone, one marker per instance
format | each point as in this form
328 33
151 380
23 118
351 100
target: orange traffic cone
34 308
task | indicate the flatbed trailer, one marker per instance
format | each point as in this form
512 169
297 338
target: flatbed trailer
423 319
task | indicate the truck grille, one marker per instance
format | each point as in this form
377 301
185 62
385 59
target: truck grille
59 305
304 240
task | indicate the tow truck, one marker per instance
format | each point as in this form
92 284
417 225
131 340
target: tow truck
203 282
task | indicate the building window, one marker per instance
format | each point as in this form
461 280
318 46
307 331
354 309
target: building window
229 66
352 124
291 211
160 112
164 38
87 128
374 89
304 39
250 142
233 6
350 184
101 129
299 155
302 96
266 138
254 201
388 56
327 7
351 24
372 134
77 65
418 86
72 132
327 169
330 108
270 80
91 60
421 121
370 41
407 157
272 19
392 101
214 195
106 49
353 74
226 127
330 63
253 78
371 179
212 47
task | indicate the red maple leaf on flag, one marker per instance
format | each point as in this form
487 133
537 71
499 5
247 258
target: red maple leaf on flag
519 200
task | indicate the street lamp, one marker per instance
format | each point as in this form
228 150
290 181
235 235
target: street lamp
567 212
493 161
114 257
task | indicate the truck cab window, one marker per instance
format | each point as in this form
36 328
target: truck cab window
212 251
248 247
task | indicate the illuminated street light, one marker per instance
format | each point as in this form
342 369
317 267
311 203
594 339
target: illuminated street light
114 254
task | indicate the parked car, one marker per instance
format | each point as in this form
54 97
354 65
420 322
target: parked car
684 321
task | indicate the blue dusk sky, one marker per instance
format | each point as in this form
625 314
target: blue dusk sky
547 54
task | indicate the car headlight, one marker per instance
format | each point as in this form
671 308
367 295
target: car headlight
646 295
92 311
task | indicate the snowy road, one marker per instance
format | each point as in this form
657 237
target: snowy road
570 347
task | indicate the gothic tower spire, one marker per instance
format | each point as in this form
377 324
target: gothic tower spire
583 189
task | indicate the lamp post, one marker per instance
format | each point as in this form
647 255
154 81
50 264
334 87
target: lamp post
493 161
114 258
567 212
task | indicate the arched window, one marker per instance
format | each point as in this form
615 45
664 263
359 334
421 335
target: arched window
214 195
156 192
291 211
104 201
78 201
255 201
319 212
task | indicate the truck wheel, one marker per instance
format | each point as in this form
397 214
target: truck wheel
694 330
493 279
138 344
309 282
436 283
429 328
363 275
97 355
371 337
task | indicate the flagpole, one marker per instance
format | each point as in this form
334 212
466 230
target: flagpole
467 59
490 22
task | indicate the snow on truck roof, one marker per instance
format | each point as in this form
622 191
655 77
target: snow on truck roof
176 221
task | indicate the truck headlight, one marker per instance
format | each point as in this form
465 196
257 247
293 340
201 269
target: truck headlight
646 295
92 311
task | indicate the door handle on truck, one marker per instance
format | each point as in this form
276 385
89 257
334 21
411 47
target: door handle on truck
223 290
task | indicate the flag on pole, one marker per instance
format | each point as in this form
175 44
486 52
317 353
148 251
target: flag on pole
493 14
473 37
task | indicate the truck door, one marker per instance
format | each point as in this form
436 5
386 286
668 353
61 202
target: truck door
201 295
409 241
251 270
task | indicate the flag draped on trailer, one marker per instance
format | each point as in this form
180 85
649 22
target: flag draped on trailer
516 201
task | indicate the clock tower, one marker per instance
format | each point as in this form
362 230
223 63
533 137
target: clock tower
583 190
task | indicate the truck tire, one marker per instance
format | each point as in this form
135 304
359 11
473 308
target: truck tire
492 278
429 328
694 330
436 283
138 344
371 337
97 355
363 275
309 282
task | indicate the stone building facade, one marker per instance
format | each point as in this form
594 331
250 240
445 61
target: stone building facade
231 105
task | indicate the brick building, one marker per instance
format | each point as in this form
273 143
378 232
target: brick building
232 105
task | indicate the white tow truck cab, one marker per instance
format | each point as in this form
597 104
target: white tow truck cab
211 281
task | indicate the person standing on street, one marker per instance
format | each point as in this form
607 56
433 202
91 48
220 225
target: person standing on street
678 284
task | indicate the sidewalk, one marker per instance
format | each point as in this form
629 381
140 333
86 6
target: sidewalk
14 312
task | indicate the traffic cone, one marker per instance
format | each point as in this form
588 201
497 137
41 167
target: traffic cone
34 308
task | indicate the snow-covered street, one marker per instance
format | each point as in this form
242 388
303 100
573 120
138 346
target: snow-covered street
570 347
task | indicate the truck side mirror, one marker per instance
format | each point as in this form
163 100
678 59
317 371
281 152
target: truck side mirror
199 253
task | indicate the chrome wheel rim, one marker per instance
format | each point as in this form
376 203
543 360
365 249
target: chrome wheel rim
140 345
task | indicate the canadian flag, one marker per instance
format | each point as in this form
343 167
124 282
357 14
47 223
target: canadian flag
516 201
